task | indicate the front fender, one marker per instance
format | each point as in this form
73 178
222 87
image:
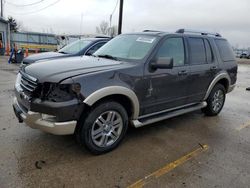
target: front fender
114 90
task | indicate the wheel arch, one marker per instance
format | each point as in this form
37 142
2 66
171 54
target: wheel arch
222 78
118 93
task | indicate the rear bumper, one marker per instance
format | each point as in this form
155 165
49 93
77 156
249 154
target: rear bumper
35 120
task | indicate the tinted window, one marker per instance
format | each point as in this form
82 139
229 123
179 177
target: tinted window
94 48
173 48
75 47
197 51
209 53
226 52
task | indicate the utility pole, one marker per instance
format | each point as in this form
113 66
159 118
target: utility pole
120 17
1 8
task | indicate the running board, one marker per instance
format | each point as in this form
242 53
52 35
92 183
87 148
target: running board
166 115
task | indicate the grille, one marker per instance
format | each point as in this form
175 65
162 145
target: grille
28 83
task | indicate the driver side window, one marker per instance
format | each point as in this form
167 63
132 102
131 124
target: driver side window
173 48
95 48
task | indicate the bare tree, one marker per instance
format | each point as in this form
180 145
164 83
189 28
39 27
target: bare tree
103 28
113 31
13 24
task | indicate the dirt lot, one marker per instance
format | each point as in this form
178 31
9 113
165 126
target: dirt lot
187 151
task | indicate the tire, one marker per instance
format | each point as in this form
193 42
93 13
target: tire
215 100
103 129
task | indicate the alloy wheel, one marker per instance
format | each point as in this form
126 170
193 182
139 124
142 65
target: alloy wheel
107 129
218 100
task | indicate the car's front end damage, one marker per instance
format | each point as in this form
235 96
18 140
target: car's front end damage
50 96
51 107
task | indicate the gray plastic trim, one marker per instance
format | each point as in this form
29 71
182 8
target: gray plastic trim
114 90
215 80
35 121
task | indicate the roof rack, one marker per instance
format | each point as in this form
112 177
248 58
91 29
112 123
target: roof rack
198 32
148 30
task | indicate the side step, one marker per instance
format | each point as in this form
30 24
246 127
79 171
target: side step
166 115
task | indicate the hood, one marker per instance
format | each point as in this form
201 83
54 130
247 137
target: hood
60 69
45 55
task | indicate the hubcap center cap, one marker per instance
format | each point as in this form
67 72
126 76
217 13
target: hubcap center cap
107 127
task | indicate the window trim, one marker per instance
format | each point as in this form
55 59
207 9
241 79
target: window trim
211 50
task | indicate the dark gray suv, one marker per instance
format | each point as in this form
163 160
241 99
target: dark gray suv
135 79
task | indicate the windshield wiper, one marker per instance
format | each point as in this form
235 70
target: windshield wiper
62 52
107 56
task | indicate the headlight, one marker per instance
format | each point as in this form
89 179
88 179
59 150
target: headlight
60 92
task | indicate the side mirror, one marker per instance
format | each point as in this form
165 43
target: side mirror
162 63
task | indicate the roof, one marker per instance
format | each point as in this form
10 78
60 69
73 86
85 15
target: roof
156 33
179 32
95 39
35 33
3 20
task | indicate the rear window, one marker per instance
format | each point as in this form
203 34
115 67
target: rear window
226 52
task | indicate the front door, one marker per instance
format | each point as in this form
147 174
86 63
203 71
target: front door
166 88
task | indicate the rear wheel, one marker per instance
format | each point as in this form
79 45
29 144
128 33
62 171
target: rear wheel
104 127
215 100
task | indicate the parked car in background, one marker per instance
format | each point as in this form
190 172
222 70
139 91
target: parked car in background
245 55
80 47
137 79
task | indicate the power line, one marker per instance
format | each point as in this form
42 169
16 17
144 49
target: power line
115 7
24 5
39 10
111 15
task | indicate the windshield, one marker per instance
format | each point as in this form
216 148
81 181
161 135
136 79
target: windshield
131 47
74 47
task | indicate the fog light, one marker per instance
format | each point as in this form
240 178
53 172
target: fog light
48 117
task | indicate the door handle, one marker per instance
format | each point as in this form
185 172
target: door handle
183 72
213 68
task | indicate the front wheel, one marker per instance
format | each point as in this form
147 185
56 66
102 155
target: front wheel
215 100
103 128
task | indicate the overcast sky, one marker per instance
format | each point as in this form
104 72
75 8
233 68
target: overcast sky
228 17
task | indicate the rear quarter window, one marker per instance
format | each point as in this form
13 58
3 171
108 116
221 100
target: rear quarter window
225 50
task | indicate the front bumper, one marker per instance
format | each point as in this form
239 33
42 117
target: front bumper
35 120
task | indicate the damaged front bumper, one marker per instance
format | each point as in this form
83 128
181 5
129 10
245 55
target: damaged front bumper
35 120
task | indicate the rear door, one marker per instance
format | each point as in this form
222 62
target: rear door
202 66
